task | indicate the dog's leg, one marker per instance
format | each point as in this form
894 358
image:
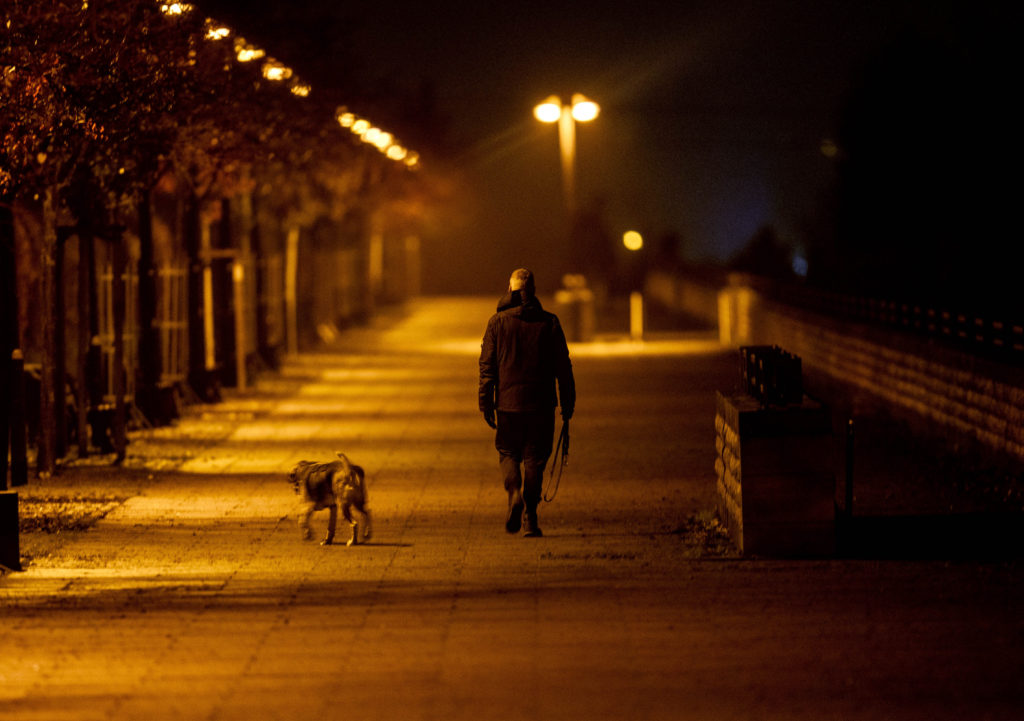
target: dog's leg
346 509
367 524
332 522
307 532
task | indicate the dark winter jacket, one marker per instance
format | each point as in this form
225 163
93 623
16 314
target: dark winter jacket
522 355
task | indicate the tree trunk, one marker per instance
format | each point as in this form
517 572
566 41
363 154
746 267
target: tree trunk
60 359
197 376
85 334
150 353
8 332
117 292
46 458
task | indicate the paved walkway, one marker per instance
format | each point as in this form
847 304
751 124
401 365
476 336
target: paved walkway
195 598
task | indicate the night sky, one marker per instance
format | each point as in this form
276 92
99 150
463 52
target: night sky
713 113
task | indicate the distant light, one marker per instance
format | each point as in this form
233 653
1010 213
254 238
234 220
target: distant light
384 141
632 240
371 135
217 33
301 90
273 70
169 8
800 265
584 110
245 52
549 111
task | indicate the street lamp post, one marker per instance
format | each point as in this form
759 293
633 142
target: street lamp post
554 110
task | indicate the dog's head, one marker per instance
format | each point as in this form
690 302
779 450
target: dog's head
298 474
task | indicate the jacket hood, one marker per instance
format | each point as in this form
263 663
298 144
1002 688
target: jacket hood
514 299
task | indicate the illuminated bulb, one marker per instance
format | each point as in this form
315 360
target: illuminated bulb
346 120
172 8
549 111
360 126
383 140
371 135
584 110
245 53
301 90
632 240
397 152
217 33
273 70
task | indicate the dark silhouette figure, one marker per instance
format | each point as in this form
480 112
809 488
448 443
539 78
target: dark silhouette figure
522 357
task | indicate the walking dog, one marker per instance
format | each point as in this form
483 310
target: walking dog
330 485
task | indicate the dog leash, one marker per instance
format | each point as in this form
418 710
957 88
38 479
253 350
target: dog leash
562 460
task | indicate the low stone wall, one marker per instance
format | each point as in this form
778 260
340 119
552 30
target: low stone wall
956 392
776 485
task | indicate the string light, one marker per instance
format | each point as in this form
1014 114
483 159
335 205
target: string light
173 8
384 141
275 71
215 32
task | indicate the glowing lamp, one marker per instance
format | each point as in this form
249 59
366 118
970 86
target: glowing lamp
175 8
273 70
632 240
549 111
584 110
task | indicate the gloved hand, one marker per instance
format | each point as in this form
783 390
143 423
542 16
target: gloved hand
489 417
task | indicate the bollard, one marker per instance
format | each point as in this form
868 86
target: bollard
636 316
10 552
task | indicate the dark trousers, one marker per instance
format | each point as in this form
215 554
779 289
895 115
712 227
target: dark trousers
525 439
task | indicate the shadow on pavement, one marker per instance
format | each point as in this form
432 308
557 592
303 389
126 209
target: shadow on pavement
978 536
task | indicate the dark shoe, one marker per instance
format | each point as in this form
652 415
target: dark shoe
514 520
532 529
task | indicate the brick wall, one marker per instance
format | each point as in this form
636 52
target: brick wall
958 393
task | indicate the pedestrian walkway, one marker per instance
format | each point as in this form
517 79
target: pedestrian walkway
195 598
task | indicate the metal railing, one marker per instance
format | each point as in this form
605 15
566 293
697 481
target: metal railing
172 323
999 339
105 305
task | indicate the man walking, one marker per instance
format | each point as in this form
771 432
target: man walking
522 356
